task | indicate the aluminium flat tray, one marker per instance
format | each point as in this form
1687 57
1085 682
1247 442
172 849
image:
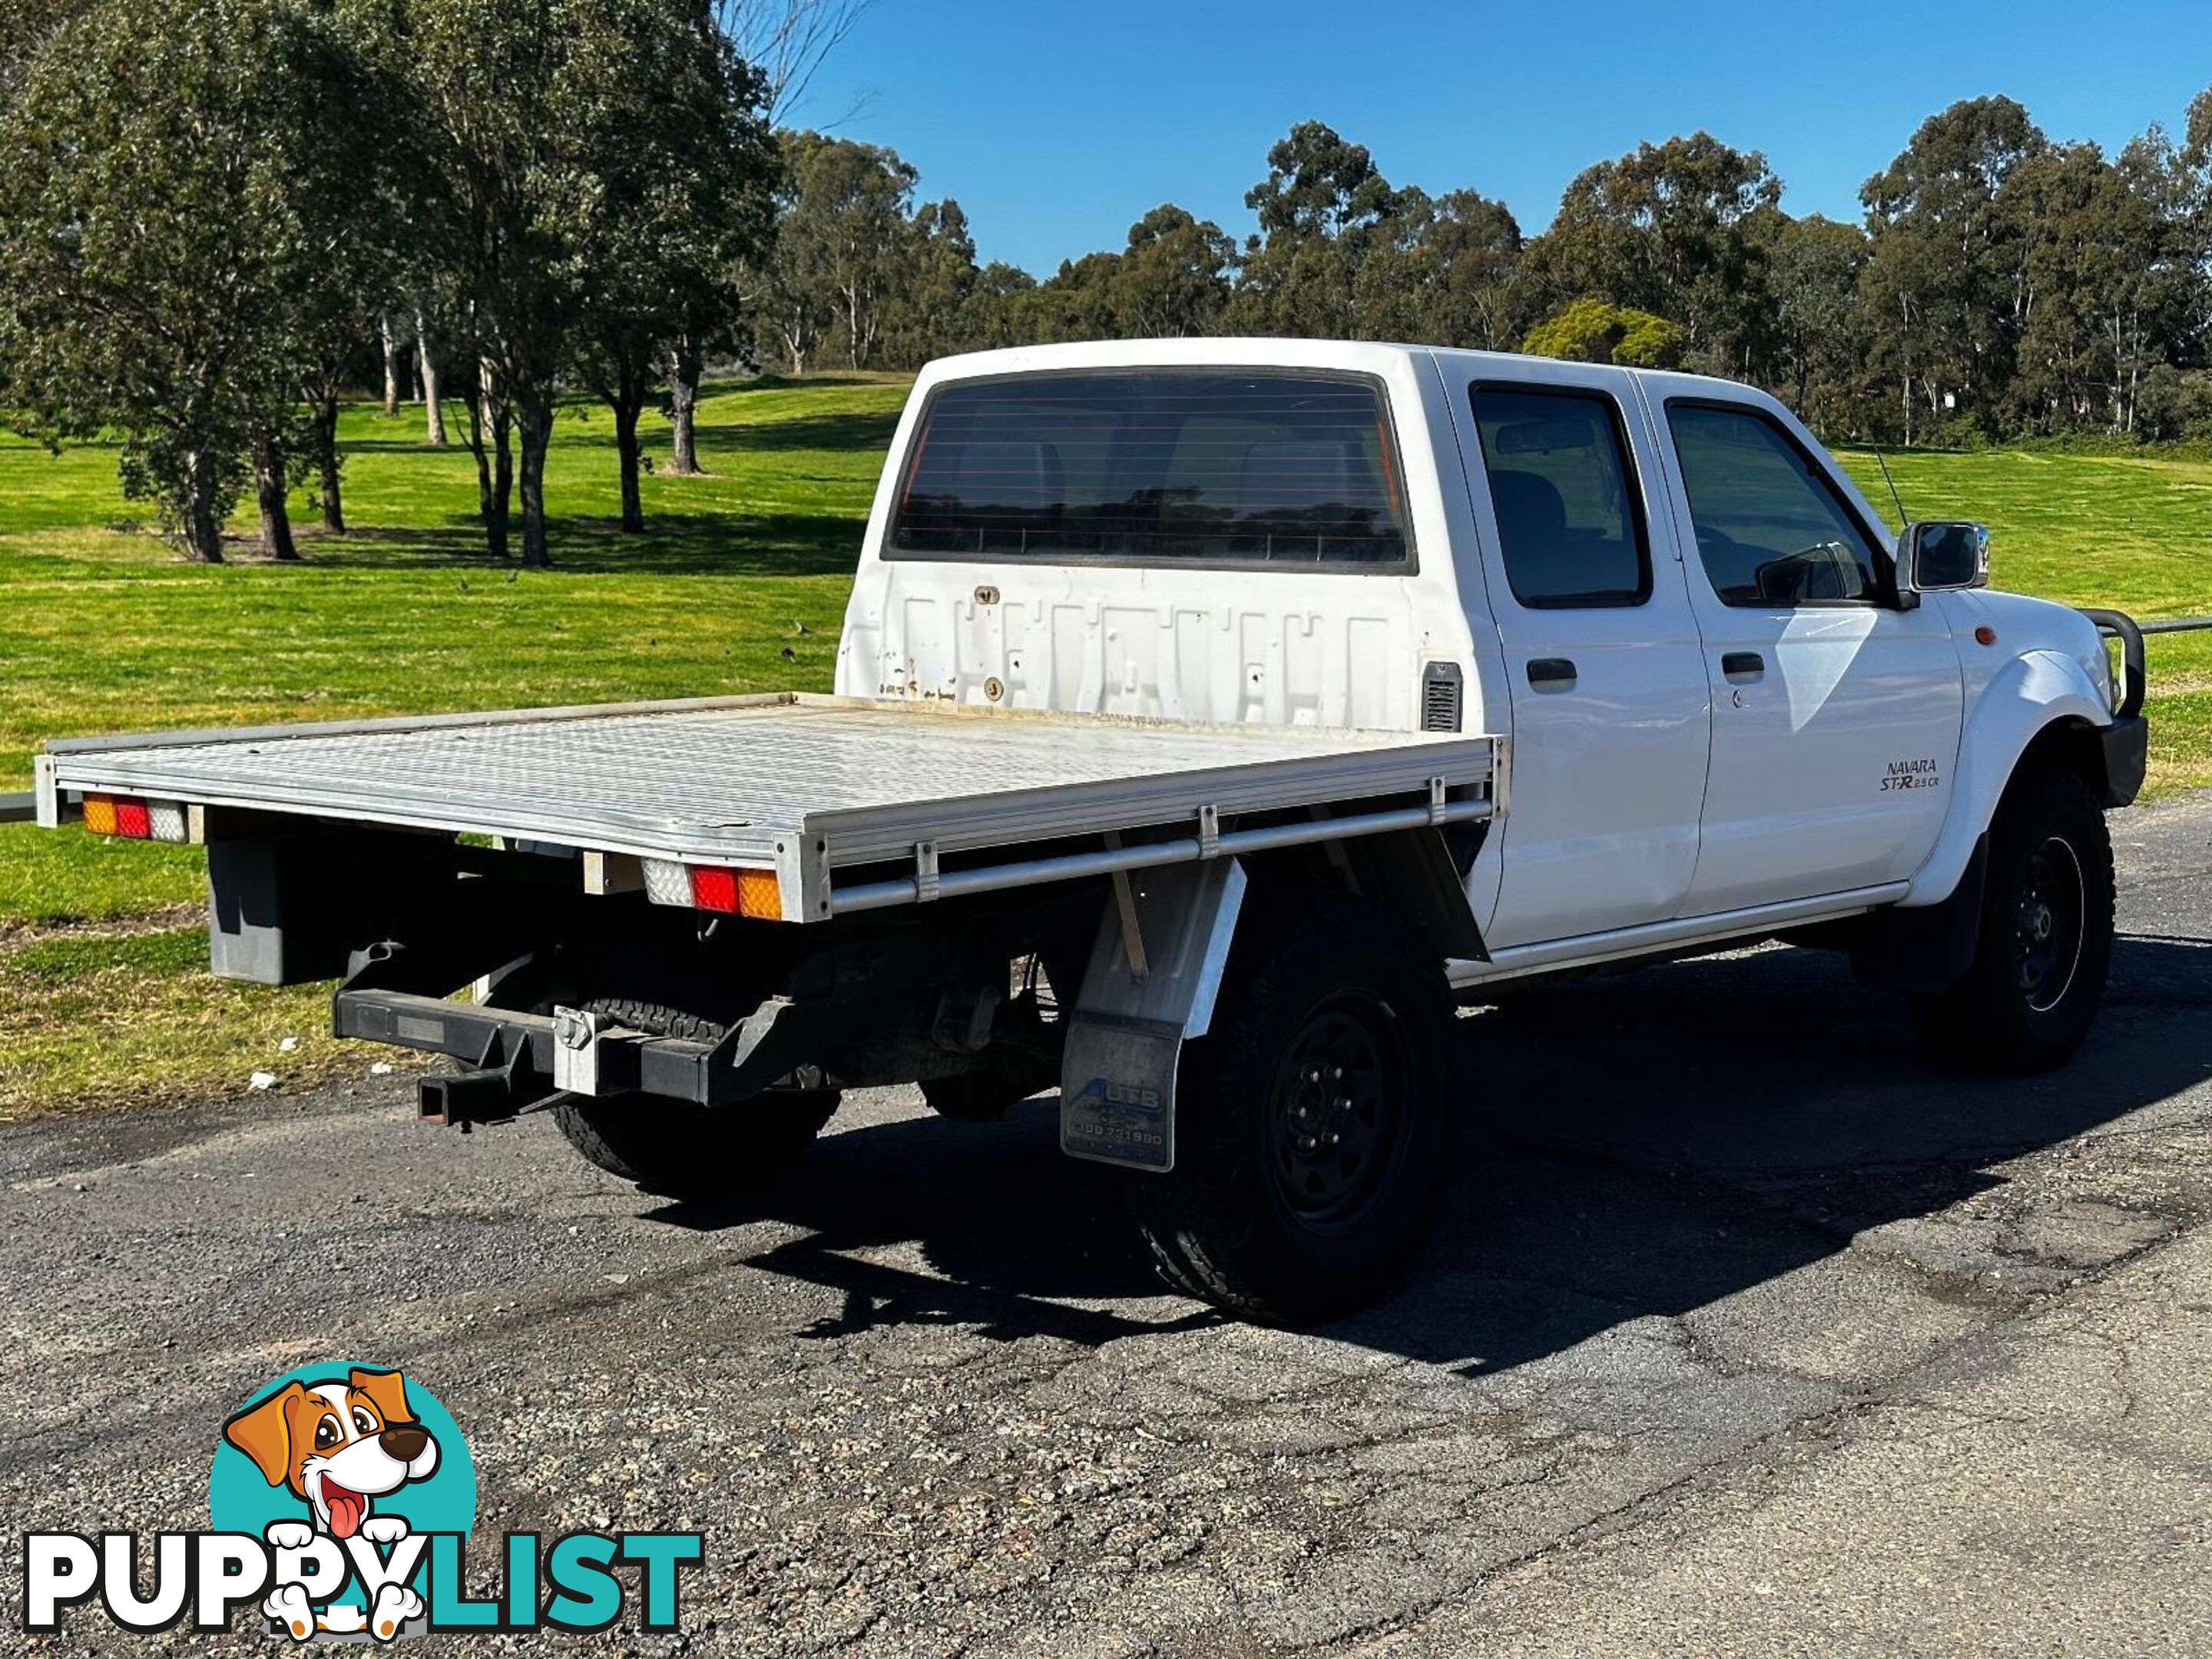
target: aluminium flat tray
723 779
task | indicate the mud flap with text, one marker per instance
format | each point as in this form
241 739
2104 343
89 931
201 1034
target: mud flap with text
1154 972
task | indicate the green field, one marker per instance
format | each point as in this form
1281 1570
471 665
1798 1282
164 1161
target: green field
738 585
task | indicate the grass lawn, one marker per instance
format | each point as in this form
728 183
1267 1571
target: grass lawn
738 585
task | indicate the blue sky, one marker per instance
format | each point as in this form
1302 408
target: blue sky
1057 124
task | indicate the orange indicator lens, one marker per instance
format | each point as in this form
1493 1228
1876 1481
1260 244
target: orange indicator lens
738 892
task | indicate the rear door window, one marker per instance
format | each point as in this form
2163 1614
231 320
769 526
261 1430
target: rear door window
1157 466
1563 489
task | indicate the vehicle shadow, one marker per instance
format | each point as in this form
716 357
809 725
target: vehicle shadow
1635 1146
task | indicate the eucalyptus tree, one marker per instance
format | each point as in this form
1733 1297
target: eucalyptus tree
678 141
165 224
842 242
1444 271
1813 265
1173 280
576 141
1323 208
1946 280
784 42
1676 229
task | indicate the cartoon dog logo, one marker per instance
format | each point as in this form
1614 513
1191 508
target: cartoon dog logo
339 1447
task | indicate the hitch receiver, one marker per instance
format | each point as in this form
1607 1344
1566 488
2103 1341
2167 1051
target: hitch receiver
465 1098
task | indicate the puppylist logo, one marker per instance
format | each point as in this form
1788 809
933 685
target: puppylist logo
341 1502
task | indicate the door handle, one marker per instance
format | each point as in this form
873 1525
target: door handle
1747 663
1551 671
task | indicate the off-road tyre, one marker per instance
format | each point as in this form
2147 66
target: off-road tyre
675 1150
2045 940
1264 1215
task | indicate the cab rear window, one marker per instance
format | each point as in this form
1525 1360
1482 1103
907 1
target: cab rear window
1155 467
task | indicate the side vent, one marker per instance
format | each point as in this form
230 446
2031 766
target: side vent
1440 683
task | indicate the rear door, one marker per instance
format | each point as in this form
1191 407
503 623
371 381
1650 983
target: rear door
1609 700
1836 713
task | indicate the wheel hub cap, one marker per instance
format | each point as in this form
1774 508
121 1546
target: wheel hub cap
1339 1115
2047 927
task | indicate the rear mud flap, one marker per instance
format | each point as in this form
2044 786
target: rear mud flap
1154 972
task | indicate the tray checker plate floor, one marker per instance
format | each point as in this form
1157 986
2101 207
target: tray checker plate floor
722 782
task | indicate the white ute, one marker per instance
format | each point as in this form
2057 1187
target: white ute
1211 715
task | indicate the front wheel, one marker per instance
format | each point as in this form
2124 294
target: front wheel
1312 1121
2045 940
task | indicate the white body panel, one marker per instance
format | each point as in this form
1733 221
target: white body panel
2048 665
1275 645
1656 801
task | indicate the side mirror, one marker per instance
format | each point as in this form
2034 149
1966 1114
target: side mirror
1940 554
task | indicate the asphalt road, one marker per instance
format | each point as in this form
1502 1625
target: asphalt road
1745 1332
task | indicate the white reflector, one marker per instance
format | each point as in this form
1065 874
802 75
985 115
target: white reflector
667 881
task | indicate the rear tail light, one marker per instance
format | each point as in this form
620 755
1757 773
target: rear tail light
718 888
752 893
136 820
715 890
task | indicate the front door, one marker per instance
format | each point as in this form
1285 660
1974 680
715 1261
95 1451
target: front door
1610 714
1836 713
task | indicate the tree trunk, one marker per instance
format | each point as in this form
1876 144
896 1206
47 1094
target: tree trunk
275 514
490 424
687 362
627 403
433 408
502 478
391 363
202 534
472 399
533 421
326 462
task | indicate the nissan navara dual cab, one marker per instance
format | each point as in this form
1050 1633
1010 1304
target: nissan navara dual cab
1210 717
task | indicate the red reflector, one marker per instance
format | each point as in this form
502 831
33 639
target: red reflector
1986 635
715 889
132 820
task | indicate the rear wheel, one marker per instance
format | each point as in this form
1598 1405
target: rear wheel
1312 1122
678 1150
2045 936
983 1094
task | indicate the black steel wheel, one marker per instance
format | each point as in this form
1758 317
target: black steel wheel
2047 925
1339 1108
2045 940
1312 1121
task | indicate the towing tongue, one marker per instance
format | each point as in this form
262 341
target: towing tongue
346 1508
